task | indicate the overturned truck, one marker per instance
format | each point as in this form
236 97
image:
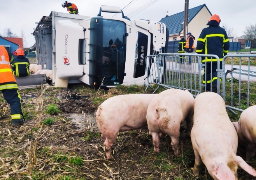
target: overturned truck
98 51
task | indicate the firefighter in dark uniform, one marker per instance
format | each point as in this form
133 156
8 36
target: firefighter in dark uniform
12 56
9 88
181 47
212 40
20 64
190 45
71 7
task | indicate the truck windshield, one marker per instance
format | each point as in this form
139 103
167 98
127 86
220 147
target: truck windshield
114 47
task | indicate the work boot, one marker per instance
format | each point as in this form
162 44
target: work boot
18 122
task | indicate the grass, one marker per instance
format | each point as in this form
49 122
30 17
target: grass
49 121
245 50
244 61
76 161
59 157
233 99
49 146
52 109
66 178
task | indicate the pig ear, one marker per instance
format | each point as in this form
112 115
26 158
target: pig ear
222 171
187 90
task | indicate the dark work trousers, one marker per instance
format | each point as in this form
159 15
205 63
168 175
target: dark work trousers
182 59
13 98
189 58
211 75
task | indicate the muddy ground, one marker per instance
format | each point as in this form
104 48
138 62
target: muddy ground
69 146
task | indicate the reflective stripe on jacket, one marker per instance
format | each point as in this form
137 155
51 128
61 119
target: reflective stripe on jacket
7 80
72 8
213 40
181 47
20 66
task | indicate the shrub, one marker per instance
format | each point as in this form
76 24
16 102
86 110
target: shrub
76 160
49 121
52 109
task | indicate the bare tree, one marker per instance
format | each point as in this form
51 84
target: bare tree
229 31
22 35
250 34
9 33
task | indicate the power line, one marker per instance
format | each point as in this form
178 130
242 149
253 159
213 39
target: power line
126 6
142 8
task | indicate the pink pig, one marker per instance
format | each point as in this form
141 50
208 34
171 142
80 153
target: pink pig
246 131
214 139
33 68
165 114
47 72
121 113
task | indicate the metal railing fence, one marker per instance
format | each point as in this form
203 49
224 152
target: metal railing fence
174 70
240 76
182 71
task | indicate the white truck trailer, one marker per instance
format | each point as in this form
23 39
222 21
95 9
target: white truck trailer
99 51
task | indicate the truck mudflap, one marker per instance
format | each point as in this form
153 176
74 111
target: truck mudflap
35 79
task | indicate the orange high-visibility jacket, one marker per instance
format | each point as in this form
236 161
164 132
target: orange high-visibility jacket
190 43
7 79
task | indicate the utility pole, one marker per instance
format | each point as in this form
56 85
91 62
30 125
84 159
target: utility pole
185 24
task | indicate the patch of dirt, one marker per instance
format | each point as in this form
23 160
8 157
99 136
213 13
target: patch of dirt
76 103
84 121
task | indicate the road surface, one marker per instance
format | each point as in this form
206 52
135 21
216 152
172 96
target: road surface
194 68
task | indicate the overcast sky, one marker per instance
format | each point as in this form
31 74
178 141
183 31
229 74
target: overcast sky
20 15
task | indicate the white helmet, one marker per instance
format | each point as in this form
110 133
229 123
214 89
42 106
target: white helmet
64 4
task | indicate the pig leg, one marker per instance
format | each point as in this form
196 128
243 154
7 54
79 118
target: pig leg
109 141
197 164
156 140
175 144
103 137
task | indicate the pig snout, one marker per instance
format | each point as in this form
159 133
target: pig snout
214 139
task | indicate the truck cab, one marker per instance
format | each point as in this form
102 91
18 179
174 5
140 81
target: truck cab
104 51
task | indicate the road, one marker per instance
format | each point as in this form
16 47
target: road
194 68
244 72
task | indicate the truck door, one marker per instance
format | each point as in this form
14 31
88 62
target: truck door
140 54
67 49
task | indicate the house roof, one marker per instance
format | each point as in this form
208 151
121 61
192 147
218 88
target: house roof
18 41
175 22
7 40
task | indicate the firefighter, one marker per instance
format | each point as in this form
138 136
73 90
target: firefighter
190 45
20 64
181 47
71 7
212 40
9 88
13 55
